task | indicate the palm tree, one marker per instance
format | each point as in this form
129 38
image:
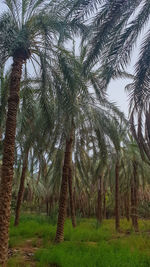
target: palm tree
26 30
77 102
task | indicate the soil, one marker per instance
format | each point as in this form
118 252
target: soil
25 253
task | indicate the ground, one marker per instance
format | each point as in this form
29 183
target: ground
89 245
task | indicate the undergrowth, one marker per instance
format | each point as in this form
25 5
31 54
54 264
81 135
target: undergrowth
88 245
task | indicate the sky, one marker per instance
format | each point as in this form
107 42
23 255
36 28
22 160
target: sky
116 92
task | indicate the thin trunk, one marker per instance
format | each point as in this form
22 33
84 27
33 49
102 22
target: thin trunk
47 207
117 213
72 207
38 178
81 203
99 199
127 206
74 199
50 205
136 211
89 208
135 197
122 210
21 189
134 201
104 202
63 192
8 158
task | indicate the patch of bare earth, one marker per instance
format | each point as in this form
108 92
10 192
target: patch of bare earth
25 252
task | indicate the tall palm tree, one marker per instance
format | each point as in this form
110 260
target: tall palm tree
27 28
77 106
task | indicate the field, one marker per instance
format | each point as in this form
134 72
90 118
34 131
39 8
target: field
88 245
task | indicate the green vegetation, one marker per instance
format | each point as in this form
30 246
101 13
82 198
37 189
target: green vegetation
89 244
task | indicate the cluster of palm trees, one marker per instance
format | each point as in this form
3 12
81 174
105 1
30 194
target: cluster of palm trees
58 121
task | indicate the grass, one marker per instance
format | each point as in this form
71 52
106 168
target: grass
88 245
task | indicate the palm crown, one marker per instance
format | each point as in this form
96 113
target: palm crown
115 31
27 27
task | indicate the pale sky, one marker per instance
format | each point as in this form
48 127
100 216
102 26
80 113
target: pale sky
116 90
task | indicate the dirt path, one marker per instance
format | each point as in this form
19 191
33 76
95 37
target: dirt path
24 254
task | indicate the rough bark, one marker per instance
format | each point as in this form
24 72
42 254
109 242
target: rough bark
117 212
0 170
63 192
8 158
72 207
21 189
0 151
99 201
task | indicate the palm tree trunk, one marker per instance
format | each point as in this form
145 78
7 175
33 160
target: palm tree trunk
99 204
0 151
72 207
74 199
117 213
134 198
21 189
0 171
104 202
8 158
132 201
47 207
127 206
63 192
50 205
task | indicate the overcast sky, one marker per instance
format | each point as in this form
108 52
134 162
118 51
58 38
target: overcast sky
116 90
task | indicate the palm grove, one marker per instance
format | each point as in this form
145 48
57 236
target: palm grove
63 145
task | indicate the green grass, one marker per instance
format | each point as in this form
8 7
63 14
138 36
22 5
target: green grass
87 245
101 255
30 227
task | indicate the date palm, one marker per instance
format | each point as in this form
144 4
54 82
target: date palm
26 29
80 112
